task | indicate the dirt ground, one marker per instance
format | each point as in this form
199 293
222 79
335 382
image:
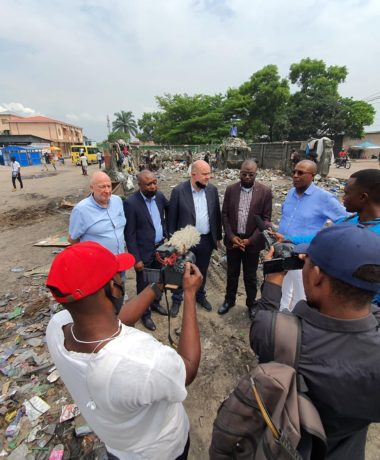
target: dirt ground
35 213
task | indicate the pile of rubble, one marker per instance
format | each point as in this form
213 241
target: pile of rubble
39 420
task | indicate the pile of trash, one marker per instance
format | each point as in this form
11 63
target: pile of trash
39 419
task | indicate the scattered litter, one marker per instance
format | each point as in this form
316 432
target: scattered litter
17 269
57 453
59 241
35 407
53 377
68 412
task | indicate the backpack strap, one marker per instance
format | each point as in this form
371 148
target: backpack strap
286 338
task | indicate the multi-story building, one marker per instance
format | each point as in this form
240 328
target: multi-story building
60 134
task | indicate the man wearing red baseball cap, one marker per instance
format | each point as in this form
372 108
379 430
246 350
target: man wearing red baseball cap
128 386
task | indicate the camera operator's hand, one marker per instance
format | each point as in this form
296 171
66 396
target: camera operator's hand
139 266
192 278
275 278
279 237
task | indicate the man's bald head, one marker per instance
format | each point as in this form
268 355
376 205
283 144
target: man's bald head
303 175
98 176
309 165
147 182
144 174
101 188
248 164
200 174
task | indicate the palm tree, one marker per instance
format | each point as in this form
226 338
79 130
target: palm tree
124 122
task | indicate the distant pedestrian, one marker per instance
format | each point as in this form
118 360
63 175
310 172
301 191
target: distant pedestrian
295 157
99 158
43 163
233 131
16 173
84 163
52 160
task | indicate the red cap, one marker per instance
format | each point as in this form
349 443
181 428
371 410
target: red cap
83 268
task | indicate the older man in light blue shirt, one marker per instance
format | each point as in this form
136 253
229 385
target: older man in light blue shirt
99 217
305 210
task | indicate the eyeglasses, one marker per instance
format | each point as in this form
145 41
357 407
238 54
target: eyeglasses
300 173
247 174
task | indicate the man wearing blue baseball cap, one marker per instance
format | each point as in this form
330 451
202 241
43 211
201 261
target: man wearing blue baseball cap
339 358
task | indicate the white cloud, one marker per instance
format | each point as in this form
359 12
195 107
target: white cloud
18 109
83 59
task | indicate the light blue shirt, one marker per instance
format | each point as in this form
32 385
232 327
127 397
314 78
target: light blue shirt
307 213
202 223
91 222
156 217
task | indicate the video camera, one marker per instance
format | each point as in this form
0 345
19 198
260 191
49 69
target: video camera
284 258
173 256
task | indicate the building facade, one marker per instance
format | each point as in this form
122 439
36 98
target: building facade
60 134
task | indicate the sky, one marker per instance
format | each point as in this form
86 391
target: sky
80 60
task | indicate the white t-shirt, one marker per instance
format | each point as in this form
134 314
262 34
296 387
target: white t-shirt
15 165
138 386
83 160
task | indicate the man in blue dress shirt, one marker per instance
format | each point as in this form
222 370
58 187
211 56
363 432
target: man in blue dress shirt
305 210
145 211
99 217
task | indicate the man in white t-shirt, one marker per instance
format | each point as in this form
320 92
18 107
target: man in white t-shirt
128 386
16 173
84 163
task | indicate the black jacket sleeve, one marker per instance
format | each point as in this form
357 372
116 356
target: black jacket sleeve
260 336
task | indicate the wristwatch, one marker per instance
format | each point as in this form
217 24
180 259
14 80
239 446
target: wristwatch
156 290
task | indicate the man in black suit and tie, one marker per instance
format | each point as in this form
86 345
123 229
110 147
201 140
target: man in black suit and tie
196 202
145 230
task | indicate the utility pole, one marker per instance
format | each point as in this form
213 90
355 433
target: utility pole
108 124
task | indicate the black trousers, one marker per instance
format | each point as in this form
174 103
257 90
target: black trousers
249 260
141 284
18 177
202 252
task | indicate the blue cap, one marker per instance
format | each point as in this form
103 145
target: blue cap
340 250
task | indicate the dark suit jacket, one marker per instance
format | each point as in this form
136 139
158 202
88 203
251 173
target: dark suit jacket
182 210
261 205
139 231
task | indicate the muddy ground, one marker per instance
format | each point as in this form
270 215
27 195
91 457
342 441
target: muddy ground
35 213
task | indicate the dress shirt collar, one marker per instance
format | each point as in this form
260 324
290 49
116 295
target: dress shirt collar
197 191
245 189
309 191
149 200
95 203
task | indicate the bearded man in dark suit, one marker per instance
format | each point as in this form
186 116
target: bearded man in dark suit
196 202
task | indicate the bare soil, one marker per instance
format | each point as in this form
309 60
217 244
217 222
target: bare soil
35 213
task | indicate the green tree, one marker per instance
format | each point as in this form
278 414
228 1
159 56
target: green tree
124 122
190 119
116 135
317 109
266 98
147 126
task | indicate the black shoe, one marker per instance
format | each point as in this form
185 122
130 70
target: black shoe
148 323
224 308
252 311
175 309
159 309
204 303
